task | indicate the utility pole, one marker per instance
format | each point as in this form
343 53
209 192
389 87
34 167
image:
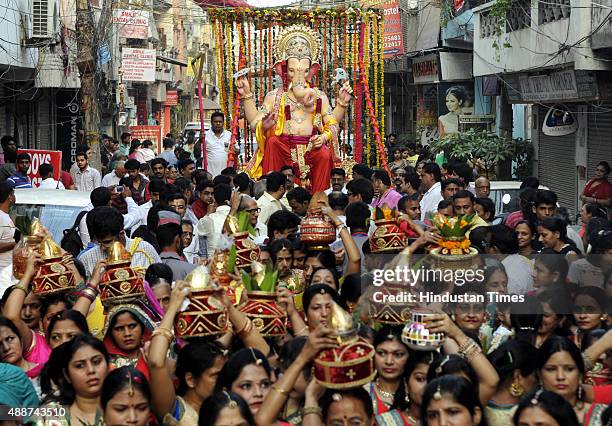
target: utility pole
86 61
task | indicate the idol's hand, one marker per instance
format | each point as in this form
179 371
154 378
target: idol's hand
269 120
346 93
243 86
317 141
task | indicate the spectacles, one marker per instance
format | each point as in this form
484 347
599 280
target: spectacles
252 211
188 233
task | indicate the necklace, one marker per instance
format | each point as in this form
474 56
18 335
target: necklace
384 393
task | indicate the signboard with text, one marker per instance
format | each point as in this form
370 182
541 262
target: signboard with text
425 69
138 64
171 97
42 156
153 133
132 23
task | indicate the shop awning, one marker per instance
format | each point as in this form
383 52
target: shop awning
222 3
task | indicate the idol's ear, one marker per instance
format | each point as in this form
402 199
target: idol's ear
280 67
314 69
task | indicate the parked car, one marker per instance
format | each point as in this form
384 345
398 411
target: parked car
196 127
505 195
56 209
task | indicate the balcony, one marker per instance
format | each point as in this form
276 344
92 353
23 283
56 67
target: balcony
535 34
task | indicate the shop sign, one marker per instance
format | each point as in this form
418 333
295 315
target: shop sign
138 64
559 122
42 156
153 133
425 69
556 85
171 97
132 23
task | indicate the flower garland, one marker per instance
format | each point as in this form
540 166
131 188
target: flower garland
375 72
366 53
381 80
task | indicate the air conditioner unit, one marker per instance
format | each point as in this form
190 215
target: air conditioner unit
44 21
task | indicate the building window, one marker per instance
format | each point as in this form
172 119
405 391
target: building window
519 16
553 10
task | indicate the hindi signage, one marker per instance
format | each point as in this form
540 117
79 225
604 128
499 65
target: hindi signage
42 156
132 23
138 64
171 97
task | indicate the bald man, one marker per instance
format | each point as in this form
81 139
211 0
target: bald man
483 187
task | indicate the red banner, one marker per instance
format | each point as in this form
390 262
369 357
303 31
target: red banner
153 133
41 156
171 97
393 38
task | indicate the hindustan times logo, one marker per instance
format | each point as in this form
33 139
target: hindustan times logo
411 276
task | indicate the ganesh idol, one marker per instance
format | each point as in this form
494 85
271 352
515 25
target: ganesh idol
296 124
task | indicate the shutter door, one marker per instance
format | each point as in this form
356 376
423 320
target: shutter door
43 124
599 146
557 165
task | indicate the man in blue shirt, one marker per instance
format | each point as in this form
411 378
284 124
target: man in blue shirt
20 179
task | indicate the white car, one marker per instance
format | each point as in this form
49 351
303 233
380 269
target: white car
196 127
505 195
57 209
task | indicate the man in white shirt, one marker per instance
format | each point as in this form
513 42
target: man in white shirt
113 178
338 177
504 247
269 202
211 225
102 197
85 177
7 228
108 228
433 194
46 174
217 143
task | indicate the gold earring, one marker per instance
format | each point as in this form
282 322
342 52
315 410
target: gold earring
516 389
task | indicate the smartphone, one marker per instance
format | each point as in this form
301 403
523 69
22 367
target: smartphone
119 189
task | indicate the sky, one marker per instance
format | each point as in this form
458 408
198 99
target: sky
270 3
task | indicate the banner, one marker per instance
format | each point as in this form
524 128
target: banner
41 156
138 64
171 98
153 133
393 39
68 113
132 23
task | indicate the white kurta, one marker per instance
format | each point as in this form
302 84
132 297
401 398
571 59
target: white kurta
216 151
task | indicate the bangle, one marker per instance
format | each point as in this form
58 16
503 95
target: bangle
312 410
22 288
165 332
342 104
280 391
246 323
247 97
88 294
93 288
588 362
302 330
246 330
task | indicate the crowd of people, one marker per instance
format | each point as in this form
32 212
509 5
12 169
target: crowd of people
541 361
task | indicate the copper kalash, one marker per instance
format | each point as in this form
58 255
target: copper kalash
317 230
351 363
120 282
53 275
204 315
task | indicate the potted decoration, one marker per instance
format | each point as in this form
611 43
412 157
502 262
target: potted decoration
317 230
32 234
387 236
261 307
349 364
53 276
203 315
417 336
454 250
244 250
120 283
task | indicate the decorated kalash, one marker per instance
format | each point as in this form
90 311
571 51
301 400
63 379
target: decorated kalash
387 238
351 362
454 250
55 273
